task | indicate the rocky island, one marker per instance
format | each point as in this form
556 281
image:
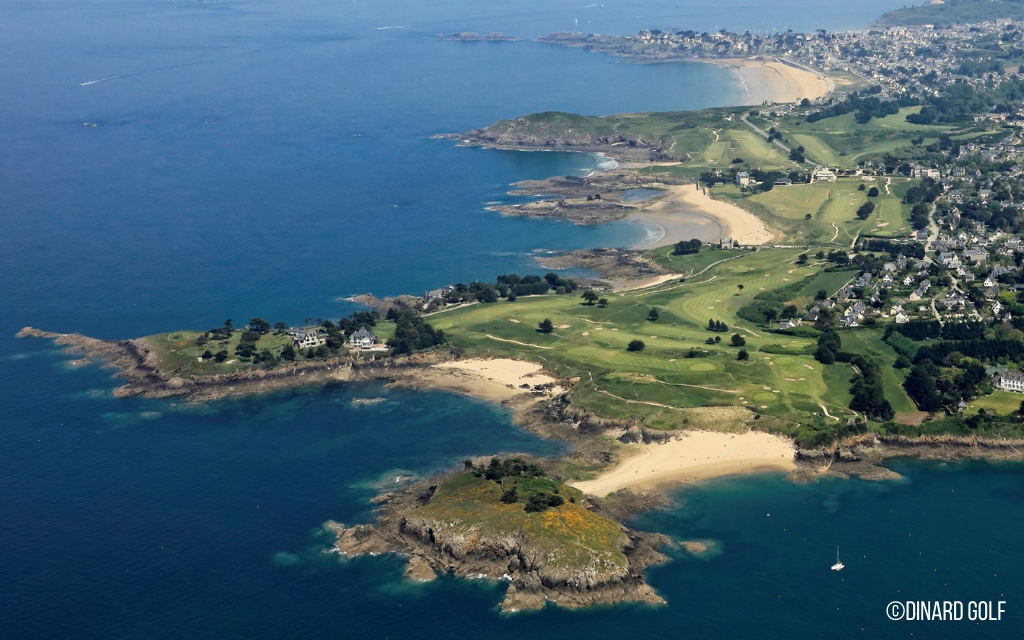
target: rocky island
507 520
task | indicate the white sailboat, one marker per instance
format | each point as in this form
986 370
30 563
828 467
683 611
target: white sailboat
838 566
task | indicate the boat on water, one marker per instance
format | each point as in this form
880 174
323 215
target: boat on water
838 566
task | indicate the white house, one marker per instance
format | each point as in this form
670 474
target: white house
823 174
1011 381
902 318
742 179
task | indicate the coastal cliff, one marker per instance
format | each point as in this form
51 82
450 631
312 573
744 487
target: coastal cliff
466 525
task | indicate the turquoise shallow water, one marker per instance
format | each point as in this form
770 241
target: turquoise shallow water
226 178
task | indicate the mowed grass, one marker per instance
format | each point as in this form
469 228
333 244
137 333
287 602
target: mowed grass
1001 402
842 141
661 381
869 342
740 141
833 209
688 265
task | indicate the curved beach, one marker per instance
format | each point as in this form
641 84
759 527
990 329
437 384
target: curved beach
698 455
687 209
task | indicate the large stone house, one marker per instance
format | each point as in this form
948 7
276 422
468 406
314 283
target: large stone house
1010 381
362 339
307 338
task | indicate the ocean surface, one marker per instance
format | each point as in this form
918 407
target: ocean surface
270 157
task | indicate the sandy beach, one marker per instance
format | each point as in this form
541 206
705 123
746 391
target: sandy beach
775 81
686 209
496 380
698 455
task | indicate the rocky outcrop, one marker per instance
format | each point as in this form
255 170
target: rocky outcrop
534 574
566 132
864 456
138 367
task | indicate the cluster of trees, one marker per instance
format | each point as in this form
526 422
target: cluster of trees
737 340
717 326
865 210
927 191
687 247
221 333
934 388
541 500
930 329
829 344
960 101
412 333
867 388
894 249
591 297
509 286
866 385
498 469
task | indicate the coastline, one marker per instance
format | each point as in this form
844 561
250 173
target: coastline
675 215
694 456
774 80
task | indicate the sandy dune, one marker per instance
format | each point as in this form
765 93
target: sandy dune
699 455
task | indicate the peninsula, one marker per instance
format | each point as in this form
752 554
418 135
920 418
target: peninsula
854 294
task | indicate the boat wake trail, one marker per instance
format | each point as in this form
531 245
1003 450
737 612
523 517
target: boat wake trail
176 66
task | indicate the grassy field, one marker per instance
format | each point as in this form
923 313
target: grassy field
842 141
1001 402
693 263
567 536
832 207
662 383
178 350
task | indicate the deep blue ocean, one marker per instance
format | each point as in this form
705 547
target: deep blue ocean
270 157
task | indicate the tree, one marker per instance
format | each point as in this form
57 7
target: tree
737 340
545 326
221 355
635 345
510 496
590 296
742 355
511 297
687 247
288 352
873 192
653 314
861 187
824 355
801 259
207 354
770 315
865 210
603 302
259 325
821 295
807 216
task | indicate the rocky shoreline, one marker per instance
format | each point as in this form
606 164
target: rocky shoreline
594 199
511 135
533 574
